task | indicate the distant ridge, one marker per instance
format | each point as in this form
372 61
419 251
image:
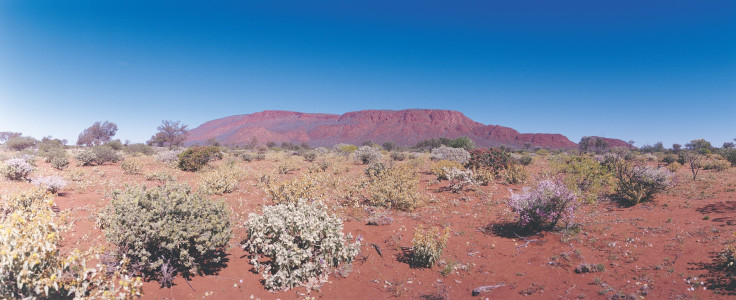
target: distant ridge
404 127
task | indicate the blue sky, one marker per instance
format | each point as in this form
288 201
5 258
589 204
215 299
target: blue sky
642 70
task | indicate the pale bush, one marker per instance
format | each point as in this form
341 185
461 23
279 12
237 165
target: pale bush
459 179
544 206
223 180
52 184
427 246
396 187
286 167
31 266
719 165
515 174
303 244
367 155
131 166
448 153
640 183
306 186
167 229
60 163
440 168
168 156
161 176
17 169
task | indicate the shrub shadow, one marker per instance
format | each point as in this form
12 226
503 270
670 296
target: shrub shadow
717 277
509 230
725 207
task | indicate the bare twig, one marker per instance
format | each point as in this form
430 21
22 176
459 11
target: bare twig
378 249
525 239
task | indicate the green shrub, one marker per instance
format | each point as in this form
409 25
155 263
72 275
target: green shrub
717 164
161 176
302 242
135 149
98 155
525 160
427 246
167 229
585 176
397 187
19 143
515 174
60 163
310 156
640 183
131 166
398 155
223 180
196 158
375 168
306 186
115 145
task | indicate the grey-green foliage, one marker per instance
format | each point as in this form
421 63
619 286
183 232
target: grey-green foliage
302 241
167 227
98 155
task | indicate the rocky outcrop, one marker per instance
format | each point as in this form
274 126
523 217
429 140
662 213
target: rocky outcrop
403 127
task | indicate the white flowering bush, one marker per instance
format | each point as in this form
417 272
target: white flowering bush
543 206
167 229
17 169
367 155
640 183
222 180
53 184
727 261
452 154
168 156
459 179
32 267
302 242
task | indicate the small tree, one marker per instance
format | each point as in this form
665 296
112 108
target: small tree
6 135
97 134
170 133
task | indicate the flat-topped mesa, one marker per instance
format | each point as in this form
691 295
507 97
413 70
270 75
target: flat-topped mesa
403 127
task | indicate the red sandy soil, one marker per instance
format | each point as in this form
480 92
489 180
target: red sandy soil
651 249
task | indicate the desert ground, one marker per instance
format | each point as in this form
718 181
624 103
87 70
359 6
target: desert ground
667 247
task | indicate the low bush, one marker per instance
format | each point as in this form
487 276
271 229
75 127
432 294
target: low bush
525 160
585 175
440 168
344 149
60 163
223 180
640 183
459 179
543 206
427 246
139 149
53 184
395 188
452 154
309 156
20 143
31 264
168 156
719 165
286 167
195 158
727 261
306 186
98 155
161 176
303 244
515 174
167 229
367 155
673 167
376 168
131 166
398 155
16 169
491 158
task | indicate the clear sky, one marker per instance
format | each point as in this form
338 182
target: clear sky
642 70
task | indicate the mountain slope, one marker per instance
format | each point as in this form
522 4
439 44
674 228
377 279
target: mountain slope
404 127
